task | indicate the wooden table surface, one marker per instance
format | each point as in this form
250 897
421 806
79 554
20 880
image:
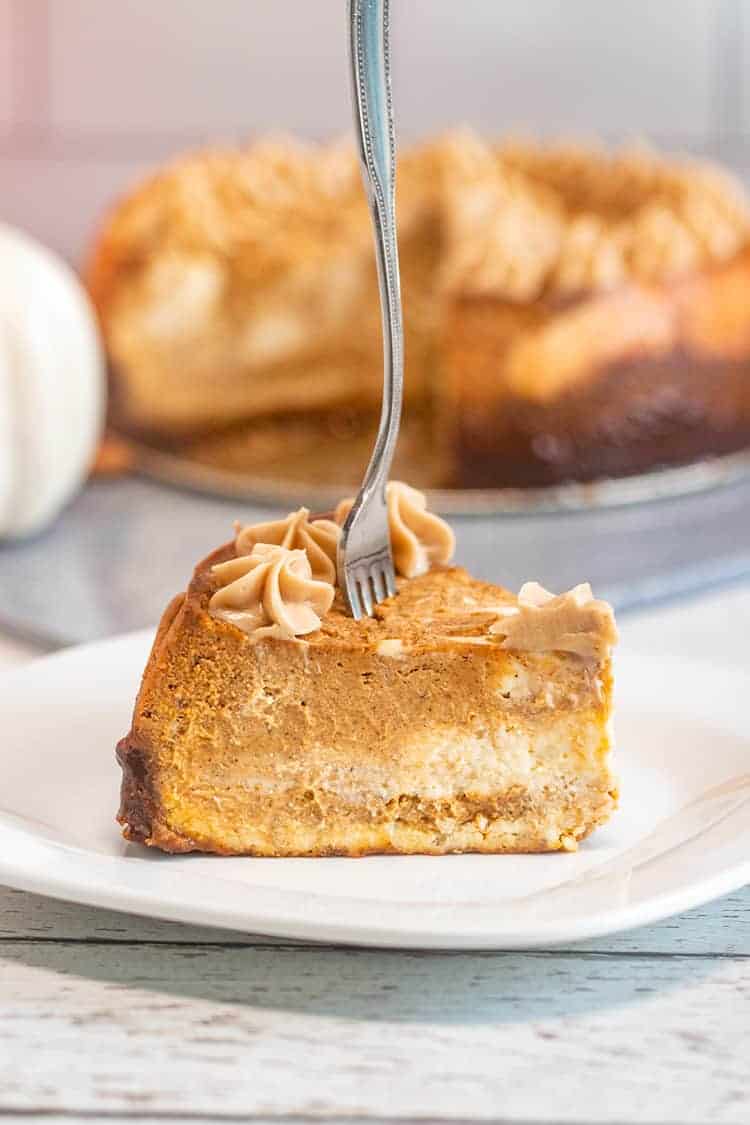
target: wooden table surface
104 1014
109 1017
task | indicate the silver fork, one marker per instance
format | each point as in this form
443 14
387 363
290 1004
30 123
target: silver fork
365 561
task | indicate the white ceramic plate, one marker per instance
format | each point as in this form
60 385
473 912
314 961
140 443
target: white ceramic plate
682 835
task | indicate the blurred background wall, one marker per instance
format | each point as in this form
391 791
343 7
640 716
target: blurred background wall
93 93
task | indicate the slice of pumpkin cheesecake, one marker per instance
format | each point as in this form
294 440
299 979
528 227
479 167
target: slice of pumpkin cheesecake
459 718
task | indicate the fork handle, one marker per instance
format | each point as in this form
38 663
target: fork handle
371 89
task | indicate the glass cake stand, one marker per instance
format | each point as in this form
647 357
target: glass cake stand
253 487
126 544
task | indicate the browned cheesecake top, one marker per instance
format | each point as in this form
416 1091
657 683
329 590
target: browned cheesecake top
445 608
285 571
520 219
442 604
265 584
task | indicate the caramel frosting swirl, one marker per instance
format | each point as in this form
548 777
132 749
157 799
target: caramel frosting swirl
318 538
574 622
270 592
419 539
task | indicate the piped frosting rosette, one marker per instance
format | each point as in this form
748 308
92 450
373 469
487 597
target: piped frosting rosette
574 622
270 592
419 539
318 538
282 581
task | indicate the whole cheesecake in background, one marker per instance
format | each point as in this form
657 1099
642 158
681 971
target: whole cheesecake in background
569 314
459 718
615 339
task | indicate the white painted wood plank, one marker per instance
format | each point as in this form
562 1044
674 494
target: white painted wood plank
222 1119
721 927
316 1032
139 1118
27 916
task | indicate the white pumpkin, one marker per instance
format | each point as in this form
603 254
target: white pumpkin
52 384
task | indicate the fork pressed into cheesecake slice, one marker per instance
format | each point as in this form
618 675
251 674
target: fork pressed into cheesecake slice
459 718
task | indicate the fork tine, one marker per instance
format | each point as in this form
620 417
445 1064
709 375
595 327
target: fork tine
378 585
353 596
366 594
390 579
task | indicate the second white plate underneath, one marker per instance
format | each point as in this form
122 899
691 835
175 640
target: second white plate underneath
681 837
